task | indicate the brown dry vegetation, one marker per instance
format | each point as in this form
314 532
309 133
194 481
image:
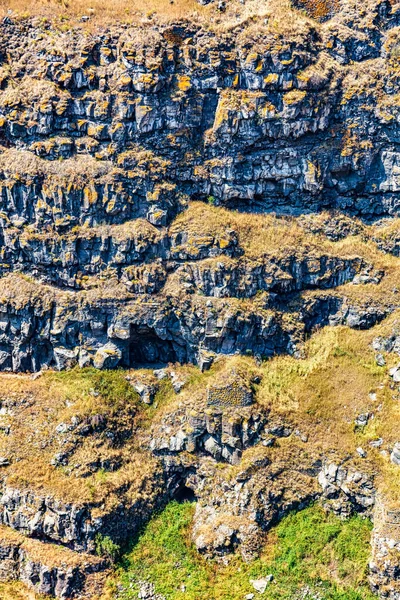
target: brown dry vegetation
330 387
37 406
24 165
66 13
19 290
98 10
319 9
17 591
269 235
139 230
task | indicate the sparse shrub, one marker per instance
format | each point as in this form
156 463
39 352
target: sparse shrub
107 548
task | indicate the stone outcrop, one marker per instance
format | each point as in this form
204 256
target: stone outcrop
234 513
74 526
223 434
47 570
346 491
384 565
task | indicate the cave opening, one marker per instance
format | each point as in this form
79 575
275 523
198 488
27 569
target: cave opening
185 494
146 347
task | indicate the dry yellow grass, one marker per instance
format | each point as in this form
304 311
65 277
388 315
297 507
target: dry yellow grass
38 406
50 555
268 235
139 229
79 170
67 13
29 90
17 591
336 381
258 234
19 289
320 9
100 11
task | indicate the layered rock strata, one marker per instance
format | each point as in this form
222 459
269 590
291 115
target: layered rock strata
106 139
174 194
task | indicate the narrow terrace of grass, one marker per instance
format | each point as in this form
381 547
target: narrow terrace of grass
270 235
283 18
22 165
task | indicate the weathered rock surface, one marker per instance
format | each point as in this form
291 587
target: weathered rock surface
55 329
73 526
346 491
110 143
216 432
107 138
173 90
384 565
47 570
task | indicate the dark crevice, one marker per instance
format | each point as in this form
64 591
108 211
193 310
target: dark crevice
185 494
146 347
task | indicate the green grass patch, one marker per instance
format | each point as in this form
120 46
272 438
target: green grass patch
109 385
308 550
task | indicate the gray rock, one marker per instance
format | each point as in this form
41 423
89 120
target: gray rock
380 360
260 585
395 373
146 392
269 442
345 490
107 357
60 459
364 278
376 443
147 591
65 358
395 455
178 383
361 452
160 374
362 420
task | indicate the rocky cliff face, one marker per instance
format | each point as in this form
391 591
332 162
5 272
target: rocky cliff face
108 137
173 194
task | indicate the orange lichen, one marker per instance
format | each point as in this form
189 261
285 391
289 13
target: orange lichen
319 9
